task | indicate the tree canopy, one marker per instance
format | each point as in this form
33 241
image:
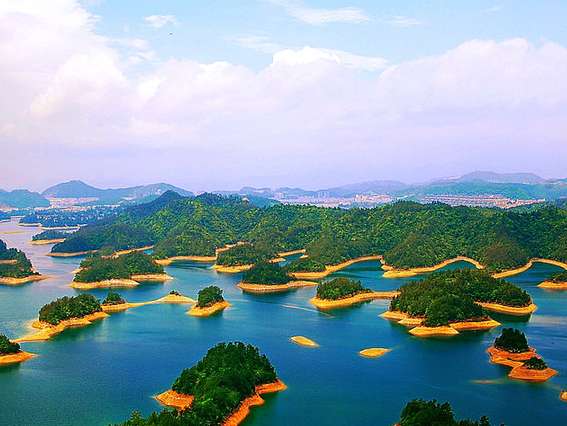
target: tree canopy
266 273
340 288
7 347
208 296
431 413
66 308
99 268
512 340
14 263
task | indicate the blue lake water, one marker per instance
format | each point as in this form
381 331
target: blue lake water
99 374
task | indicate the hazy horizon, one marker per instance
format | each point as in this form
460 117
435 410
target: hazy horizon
305 93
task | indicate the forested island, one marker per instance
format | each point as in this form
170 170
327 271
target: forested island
125 270
219 389
511 349
50 236
11 353
269 277
406 234
243 256
445 303
15 267
555 282
209 302
61 218
427 413
342 292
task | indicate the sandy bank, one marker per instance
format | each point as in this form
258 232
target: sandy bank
151 277
45 242
121 252
373 352
304 341
349 301
291 252
509 359
563 396
20 281
509 310
231 269
391 272
451 329
332 268
168 299
394 315
243 409
73 254
9 262
47 331
170 260
115 283
209 310
273 288
550 285
15 358
525 374
474 325
423 331
516 271
176 400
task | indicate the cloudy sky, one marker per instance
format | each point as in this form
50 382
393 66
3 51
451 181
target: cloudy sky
211 94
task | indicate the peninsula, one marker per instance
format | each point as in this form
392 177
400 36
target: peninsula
49 237
15 267
220 389
555 282
269 277
11 353
209 302
343 292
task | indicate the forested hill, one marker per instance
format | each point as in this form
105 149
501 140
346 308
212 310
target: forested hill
407 234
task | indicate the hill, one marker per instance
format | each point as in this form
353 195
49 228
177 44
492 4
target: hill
21 199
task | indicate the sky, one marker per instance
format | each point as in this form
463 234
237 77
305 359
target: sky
218 94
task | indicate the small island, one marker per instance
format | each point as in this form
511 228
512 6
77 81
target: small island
269 277
209 302
219 390
49 237
555 282
11 353
15 267
446 303
304 341
426 413
242 257
511 349
373 352
343 292
122 271
65 312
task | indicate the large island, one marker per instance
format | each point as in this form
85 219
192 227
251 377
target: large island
15 267
219 390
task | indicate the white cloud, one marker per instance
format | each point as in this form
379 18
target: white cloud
318 16
159 21
403 21
259 43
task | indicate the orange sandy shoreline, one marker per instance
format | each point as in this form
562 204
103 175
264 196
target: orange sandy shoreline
131 282
550 285
353 300
45 242
509 310
235 269
373 352
16 358
516 271
170 260
19 281
391 272
273 288
304 341
209 310
329 269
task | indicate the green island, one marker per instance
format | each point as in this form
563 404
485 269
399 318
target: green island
209 301
427 413
119 271
15 267
266 273
66 308
445 303
560 277
51 236
220 387
7 347
113 298
557 281
535 363
343 292
512 340
11 352
407 234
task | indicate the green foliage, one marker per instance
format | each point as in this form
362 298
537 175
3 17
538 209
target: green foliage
340 288
7 347
50 235
219 382
244 254
113 298
97 268
430 413
14 263
560 277
449 296
209 296
535 363
69 307
266 273
306 264
512 340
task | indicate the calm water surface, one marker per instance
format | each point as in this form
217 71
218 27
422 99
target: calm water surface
97 375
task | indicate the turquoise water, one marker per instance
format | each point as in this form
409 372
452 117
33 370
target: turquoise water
97 375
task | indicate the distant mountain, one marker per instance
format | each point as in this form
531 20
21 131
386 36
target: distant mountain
22 198
493 177
143 193
374 186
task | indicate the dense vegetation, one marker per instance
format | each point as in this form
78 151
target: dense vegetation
430 413
66 308
227 375
560 277
50 235
14 263
512 340
450 296
340 288
208 296
305 265
7 347
99 268
55 218
113 298
535 363
266 273
407 234
244 254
